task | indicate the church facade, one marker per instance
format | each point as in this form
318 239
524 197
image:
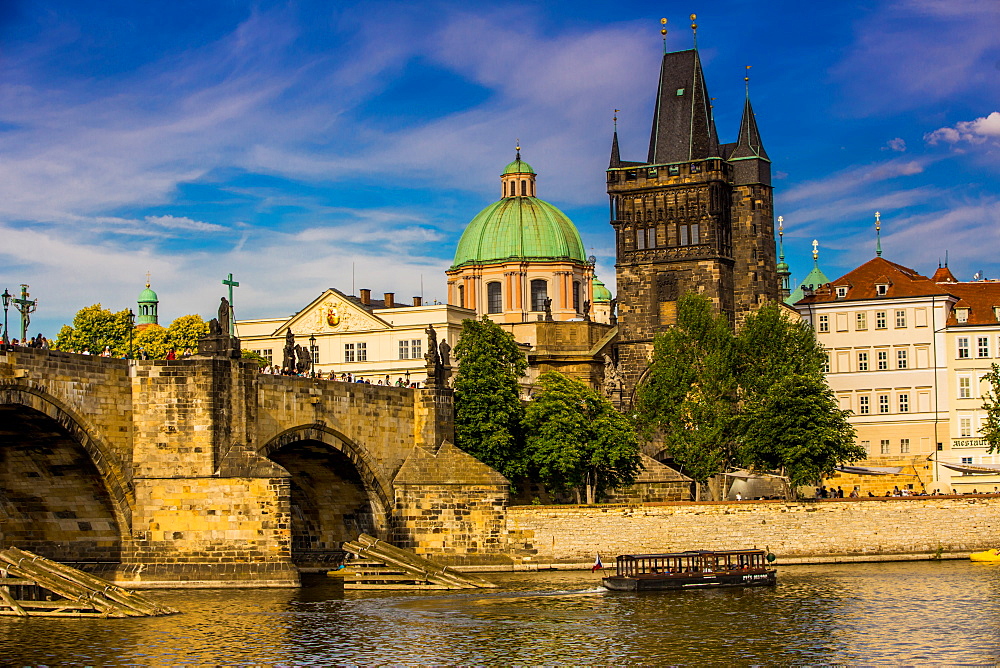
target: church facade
695 216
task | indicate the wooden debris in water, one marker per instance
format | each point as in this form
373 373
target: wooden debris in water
382 565
33 586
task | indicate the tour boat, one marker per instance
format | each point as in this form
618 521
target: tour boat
694 569
985 555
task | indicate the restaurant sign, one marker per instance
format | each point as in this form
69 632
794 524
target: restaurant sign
969 443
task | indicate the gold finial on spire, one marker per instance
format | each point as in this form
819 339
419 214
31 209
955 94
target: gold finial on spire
517 149
815 251
781 229
663 31
694 29
746 79
616 119
147 279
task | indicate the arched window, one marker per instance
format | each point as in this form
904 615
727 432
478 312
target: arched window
461 296
494 298
539 293
524 187
576 296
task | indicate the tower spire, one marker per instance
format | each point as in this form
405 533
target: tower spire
878 234
616 159
694 31
784 274
663 31
781 238
815 253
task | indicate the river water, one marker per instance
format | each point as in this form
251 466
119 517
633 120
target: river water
904 612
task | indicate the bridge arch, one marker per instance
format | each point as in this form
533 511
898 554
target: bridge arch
337 491
63 489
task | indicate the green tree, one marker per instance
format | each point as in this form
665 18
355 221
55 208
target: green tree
990 429
153 340
576 438
185 331
757 399
94 328
689 398
488 409
256 357
796 427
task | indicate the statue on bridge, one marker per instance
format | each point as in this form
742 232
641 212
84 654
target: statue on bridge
288 359
438 359
304 360
219 342
224 324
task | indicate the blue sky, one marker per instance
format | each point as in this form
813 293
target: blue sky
303 145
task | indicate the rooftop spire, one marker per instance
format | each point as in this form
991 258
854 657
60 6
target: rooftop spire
781 238
616 159
663 31
694 30
749 144
683 128
815 253
517 149
878 234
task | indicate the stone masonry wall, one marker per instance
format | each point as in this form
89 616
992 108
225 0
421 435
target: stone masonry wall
218 530
808 529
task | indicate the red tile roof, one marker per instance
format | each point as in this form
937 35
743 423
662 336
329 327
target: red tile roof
944 275
979 297
861 282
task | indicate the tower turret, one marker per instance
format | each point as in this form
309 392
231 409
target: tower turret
148 304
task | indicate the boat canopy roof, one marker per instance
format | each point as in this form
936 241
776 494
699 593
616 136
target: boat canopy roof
688 553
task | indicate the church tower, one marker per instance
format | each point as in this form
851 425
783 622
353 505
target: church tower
696 216
148 304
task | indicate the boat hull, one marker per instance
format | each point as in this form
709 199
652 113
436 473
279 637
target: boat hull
691 581
986 555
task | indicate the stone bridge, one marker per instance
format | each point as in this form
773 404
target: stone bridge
202 471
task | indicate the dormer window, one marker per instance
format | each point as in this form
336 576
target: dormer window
962 315
841 291
881 289
996 313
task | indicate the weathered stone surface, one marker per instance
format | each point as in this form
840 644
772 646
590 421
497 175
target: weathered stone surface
844 527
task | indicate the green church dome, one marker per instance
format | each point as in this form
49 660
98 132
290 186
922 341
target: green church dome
519 228
518 167
601 293
148 295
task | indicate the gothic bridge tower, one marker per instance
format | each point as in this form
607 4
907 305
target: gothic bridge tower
695 216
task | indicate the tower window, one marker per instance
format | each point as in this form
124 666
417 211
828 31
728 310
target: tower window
539 293
680 91
576 296
494 295
524 187
674 170
461 296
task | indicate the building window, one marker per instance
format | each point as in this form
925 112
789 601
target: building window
645 238
964 387
824 323
864 405
881 289
883 360
982 346
688 234
901 360
494 298
901 318
362 352
863 361
862 321
966 460
962 314
841 291
867 445
880 319
904 446
826 363
267 354
315 353
416 346
576 296
409 349
461 296
539 293
883 403
884 446
963 347
904 403
965 427
349 352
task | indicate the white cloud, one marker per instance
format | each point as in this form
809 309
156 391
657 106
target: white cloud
898 144
977 131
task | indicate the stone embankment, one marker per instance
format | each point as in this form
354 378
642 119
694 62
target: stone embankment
869 529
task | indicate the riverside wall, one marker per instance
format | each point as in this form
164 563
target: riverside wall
842 529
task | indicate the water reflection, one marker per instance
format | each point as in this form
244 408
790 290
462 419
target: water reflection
861 613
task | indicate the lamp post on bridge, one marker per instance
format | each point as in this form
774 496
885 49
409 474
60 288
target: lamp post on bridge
26 307
6 304
312 356
131 328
